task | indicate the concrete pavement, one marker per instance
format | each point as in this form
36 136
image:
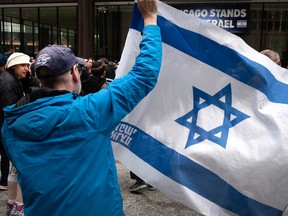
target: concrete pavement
148 203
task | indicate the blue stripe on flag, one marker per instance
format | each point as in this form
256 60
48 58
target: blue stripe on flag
212 53
191 174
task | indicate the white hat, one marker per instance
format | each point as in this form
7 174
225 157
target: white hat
17 58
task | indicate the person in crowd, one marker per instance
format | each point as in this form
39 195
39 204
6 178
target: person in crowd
104 61
96 81
7 54
139 184
60 141
89 64
11 90
110 70
273 55
84 73
4 159
3 61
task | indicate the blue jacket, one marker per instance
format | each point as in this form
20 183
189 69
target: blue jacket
61 144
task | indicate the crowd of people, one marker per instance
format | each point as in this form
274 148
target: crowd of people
56 133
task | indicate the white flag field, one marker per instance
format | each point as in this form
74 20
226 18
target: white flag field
213 133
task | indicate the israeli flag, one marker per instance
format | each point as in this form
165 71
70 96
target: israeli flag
213 133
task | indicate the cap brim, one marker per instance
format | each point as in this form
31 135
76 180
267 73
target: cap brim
81 61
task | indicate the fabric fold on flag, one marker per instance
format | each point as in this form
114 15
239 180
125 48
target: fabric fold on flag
212 134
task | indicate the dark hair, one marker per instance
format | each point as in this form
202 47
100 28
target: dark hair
104 60
92 84
98 68
84 73
33 72
110 71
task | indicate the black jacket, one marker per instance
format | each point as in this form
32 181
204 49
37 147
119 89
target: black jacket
11 91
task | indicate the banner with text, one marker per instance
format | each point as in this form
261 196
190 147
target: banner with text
231 17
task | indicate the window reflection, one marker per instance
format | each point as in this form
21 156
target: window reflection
7 36
12 12
47 25
15 46
28 37
112 25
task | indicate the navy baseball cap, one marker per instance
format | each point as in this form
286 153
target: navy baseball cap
57 59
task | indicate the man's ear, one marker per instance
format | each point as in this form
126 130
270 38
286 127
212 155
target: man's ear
75 74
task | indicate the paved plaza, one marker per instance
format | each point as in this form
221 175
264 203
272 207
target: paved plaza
148 203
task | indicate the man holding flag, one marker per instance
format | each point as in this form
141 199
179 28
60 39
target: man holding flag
213 133
60 142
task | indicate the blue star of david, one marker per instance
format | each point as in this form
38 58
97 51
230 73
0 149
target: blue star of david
198 134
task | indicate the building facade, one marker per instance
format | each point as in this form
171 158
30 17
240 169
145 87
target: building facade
99 28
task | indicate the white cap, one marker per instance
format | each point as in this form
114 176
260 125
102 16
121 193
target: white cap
17 58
